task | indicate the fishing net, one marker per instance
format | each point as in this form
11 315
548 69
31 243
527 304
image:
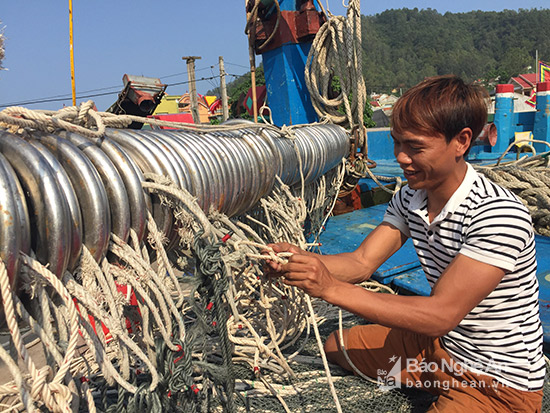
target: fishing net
154 316
308 391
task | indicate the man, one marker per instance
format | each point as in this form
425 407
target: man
476 341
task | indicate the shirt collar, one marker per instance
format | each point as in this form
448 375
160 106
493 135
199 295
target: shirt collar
419 199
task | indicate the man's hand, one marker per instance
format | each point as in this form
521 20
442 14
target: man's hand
309 274
273 268
303 270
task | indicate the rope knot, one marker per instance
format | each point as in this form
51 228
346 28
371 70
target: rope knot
84 115
288 132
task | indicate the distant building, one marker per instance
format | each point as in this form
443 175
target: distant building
168 105
382 105
524 84
184 106
173 104
520 104
380 118
383 100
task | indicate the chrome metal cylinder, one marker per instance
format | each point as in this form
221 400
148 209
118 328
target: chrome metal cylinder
79 192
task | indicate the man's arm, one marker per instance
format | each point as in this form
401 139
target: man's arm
357 266
461 287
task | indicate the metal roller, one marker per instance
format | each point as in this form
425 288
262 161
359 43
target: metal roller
253 167
193 176
287 168
229 179
132 177
65 175
202 164
112 181
241 179
147 154
147 162
48 210
233 177
10 230
222 188
242 160
331 144
90 192
169 159
265 155
211 176
231 170
22 210
179 149
165 154
66 186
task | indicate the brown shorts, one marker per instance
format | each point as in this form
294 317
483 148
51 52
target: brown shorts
400 358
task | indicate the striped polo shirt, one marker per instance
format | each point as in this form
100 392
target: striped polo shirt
502 336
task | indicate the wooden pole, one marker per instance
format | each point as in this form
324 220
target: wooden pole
71 48
223 91
192 87
537 66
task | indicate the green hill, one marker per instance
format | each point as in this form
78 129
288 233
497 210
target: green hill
401 47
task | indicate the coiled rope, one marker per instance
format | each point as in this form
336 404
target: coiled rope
336 51
529 179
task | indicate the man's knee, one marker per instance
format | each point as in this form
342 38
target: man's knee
331 346
333 349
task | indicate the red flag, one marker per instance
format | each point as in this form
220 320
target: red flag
544 72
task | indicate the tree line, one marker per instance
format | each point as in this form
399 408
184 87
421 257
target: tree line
402 47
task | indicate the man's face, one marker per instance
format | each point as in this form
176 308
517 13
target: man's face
427 161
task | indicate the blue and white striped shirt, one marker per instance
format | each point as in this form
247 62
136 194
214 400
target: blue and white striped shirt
502 335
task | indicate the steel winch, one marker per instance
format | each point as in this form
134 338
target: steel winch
61 191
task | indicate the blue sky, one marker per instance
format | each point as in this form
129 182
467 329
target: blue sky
113 37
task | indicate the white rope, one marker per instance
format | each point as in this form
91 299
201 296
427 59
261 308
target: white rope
263 350
53 393
86 121
21 386
87 302
281 258
336 51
